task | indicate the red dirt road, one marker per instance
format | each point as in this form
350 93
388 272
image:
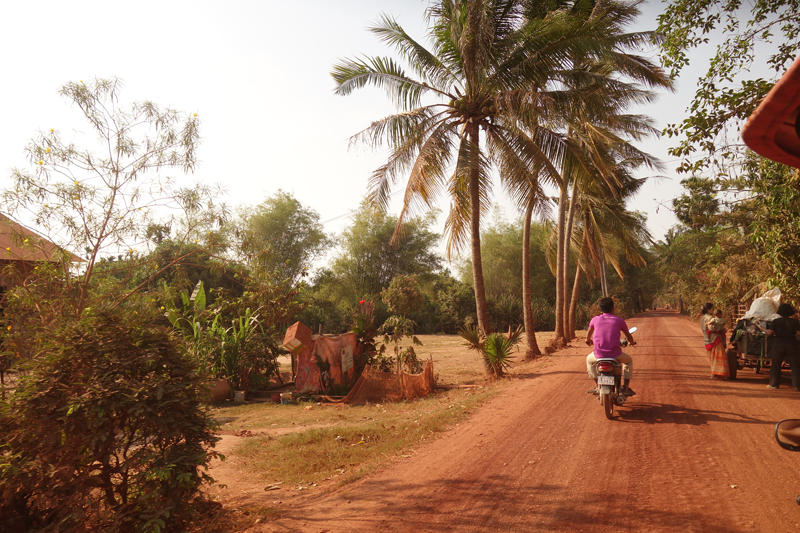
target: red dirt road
687 453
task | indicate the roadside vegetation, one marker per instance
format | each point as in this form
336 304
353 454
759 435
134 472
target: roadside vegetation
340 442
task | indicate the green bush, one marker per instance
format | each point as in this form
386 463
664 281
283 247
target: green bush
496 348
106 433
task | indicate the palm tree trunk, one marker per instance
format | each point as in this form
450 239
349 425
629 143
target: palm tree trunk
527 309
477 265
560 339
573 304
565 270
603 276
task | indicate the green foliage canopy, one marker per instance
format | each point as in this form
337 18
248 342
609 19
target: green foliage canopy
726 95
283 236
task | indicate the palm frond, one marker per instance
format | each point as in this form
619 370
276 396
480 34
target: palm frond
384 73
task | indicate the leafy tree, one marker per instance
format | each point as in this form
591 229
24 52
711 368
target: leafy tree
774 211
370 258
453 302
697 208
103 201
403 295
282 236
502 249
726 94
108 433
366 263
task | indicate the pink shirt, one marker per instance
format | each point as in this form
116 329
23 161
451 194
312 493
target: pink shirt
606 336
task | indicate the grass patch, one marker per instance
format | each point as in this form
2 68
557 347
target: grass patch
345 442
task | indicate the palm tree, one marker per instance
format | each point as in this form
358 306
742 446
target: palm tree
607 228
593 142
488 62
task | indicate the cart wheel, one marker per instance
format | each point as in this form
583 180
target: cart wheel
733 363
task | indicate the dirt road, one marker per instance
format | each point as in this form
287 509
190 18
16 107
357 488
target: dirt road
687 453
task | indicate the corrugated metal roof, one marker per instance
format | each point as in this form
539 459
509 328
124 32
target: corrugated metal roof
18 243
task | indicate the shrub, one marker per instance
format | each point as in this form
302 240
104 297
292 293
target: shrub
403 295
107 432
496 348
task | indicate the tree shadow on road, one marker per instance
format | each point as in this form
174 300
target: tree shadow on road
664 413
486 505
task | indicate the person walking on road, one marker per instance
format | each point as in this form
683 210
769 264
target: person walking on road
717 356
705 315
784 333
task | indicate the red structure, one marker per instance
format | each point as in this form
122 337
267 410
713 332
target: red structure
773 130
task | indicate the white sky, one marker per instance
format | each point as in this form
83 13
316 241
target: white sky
257 73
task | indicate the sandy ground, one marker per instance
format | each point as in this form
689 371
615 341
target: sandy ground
686 454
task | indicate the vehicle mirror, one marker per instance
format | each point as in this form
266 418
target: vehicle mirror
787 433
633 329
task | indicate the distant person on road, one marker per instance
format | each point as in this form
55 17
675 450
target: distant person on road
604 332
784 333
717 356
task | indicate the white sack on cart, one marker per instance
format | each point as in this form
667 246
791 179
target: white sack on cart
764 307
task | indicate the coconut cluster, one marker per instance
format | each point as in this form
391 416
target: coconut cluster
476 110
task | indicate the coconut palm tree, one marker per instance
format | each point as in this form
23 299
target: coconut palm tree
606 228
486 67
597 124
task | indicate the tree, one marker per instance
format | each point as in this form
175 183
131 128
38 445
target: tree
488 62
699 207
403 295
370 259
103 202
597 145
726 95
282 236
366 263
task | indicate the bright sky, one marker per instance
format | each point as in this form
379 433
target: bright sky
257 73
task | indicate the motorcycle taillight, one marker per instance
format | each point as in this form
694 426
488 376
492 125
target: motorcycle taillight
605 367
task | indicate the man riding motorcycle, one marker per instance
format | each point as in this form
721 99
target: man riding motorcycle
604 331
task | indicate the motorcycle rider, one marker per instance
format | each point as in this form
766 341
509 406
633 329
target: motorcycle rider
604 331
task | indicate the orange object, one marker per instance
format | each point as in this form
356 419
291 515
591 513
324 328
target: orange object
375 387
297 337
342 353
773 130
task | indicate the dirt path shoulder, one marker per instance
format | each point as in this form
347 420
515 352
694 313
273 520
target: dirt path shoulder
687 453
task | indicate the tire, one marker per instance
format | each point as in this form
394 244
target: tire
733 363
608 405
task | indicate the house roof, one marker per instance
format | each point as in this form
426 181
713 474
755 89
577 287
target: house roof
18 243
773 130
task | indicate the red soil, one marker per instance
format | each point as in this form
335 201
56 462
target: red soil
687 453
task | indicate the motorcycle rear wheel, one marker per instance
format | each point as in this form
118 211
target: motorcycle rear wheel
608 405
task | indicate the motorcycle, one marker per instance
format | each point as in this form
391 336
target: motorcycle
787 433
609 381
